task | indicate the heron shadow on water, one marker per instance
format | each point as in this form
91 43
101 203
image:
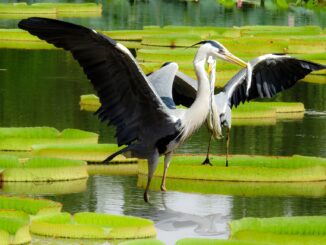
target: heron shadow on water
148 124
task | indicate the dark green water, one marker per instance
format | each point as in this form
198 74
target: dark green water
134 14
42 88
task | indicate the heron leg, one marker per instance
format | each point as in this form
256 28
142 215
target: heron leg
167 160
207 161
227 146
152 164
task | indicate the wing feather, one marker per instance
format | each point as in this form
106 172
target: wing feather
271 75
128 100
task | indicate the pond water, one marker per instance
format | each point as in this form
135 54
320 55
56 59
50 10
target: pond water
42 88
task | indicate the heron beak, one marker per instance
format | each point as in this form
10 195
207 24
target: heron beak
235 60
210 68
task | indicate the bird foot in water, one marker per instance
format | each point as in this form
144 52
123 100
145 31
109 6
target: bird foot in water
146 197
163 188
207 162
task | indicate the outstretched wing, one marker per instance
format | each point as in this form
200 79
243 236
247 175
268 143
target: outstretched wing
162 81
128 100
270 74
184 89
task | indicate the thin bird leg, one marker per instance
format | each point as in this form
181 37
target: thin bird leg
152 164
167 160
207 161
227 146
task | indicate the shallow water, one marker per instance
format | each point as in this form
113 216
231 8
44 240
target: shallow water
42 88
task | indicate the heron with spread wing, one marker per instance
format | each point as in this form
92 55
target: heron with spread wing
150 125
264 77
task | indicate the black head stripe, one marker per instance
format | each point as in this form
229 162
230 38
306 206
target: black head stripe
213 43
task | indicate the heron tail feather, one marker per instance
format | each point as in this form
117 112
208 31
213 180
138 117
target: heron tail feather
109 158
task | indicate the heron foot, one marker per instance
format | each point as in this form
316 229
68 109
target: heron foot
163 188
146 197
207 162
226 163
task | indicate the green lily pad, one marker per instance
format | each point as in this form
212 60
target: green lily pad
23 138
44 188
281 230
238 188
29 205
93 225
38 169
244 168
14 227
207 241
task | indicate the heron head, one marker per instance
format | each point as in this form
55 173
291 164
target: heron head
217 50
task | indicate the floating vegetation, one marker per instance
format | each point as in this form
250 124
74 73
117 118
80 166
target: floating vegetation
268 109
143 242
113 169
30 205
245 168
89 102
154 45
44 188
237 188
252 110
86 152
23 138
16 10
280 230
208 241
14 227
38 169
93 225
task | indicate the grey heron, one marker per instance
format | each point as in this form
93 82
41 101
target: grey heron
148 125
264 77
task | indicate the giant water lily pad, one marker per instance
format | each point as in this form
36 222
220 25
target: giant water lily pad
44 188
14 227
209 241
23 138
48 8
244 168
93 225
281 230
29 205
39 169
250 110
239 188
86 152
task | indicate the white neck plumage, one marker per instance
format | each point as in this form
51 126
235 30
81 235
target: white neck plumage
197 113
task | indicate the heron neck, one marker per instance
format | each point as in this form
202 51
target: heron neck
197 113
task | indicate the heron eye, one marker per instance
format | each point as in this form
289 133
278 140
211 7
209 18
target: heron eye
222 51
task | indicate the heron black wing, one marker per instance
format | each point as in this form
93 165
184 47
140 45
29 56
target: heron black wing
128 100
184 89
271 74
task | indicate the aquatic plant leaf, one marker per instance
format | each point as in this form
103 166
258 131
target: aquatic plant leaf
286 230
114 169
29 205
93 225
207 241
239 188
86 152
44 188
23 138
244 168
14 227
143 242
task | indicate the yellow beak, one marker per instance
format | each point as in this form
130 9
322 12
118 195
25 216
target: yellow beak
210 67
235 60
